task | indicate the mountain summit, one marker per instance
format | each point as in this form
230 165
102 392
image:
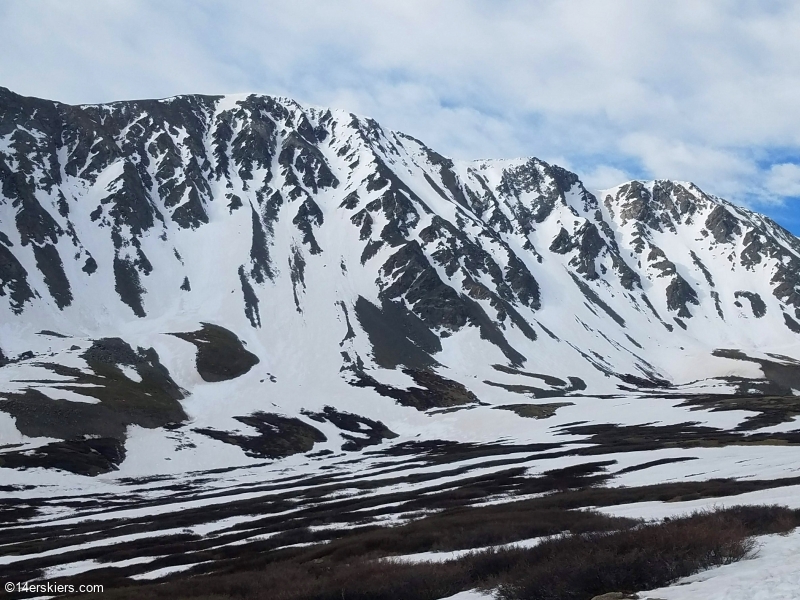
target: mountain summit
221 279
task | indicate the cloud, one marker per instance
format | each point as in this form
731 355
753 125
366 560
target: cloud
603 177
784 180
697 163
684 90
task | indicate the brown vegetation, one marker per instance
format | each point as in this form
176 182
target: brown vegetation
599 555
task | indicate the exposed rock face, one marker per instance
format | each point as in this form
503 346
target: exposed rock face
343 254
134 172
757 305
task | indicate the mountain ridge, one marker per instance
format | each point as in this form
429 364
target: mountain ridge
364 271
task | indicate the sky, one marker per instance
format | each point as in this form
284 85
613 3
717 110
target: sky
707 92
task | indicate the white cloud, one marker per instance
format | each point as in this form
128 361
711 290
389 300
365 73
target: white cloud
698 163
603 177
784 180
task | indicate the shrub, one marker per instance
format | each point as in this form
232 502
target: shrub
645 557
571 566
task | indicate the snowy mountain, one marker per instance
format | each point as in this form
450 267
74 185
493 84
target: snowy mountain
213 281
238 328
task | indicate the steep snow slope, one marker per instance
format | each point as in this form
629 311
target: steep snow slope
230 321
360 269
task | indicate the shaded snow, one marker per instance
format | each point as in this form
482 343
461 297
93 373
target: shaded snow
773 574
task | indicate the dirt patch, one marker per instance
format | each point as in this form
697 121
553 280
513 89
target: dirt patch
152 401
535 411
607 438
780 378
91 456
278 436
560 387
435 391
547 379
363 431
770 410
220 353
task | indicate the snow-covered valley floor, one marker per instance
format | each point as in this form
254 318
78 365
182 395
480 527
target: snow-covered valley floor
131 530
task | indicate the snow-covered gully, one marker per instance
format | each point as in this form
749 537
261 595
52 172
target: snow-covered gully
239 334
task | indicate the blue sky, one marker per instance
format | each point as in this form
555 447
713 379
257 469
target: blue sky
701 91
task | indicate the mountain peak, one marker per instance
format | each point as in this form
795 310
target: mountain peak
352 261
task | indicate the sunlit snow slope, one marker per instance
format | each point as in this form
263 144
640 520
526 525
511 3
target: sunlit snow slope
308 258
